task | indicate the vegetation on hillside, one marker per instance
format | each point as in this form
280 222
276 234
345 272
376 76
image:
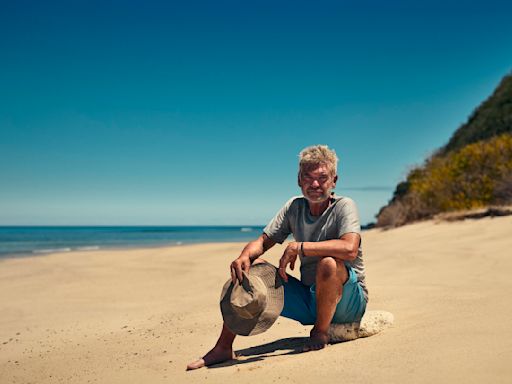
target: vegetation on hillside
492 118
473 170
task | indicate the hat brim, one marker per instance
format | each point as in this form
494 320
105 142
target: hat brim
274 303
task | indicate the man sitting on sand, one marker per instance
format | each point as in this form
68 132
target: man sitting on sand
327 239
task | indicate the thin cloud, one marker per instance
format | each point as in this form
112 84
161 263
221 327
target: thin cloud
370 188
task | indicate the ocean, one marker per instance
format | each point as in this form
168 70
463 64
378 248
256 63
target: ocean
19 241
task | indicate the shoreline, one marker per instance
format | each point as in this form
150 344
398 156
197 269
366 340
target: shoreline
20 241
99 248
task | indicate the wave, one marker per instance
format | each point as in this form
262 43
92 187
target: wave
66 249
246 229
88 248
52 250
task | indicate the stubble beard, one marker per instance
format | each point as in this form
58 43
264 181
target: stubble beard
319 199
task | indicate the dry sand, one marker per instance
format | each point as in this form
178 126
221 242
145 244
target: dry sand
138 316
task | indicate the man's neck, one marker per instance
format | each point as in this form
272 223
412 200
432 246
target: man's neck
316 209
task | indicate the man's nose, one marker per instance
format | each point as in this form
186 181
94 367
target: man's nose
315 183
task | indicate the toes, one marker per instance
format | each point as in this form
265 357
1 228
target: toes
318 340
195 365
314 346
319 346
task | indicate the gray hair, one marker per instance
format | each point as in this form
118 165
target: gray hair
318 154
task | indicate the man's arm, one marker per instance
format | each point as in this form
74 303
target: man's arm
251 252
344 248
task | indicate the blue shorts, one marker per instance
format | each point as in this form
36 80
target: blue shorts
300 301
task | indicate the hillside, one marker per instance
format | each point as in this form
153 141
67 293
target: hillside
492 118
473 170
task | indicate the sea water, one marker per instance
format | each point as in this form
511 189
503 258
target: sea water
18 241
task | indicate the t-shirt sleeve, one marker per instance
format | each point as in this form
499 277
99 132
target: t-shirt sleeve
347 217
279 227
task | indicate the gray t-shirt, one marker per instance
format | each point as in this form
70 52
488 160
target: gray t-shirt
339 218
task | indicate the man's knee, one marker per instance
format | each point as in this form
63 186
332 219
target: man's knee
328 268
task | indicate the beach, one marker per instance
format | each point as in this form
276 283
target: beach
140 315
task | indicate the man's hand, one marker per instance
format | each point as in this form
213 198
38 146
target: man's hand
242 263
289 257
251 251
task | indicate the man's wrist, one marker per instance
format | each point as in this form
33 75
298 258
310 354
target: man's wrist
302 249
247 256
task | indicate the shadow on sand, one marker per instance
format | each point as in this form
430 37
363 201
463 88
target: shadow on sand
289 346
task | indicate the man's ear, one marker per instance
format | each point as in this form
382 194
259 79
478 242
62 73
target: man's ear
298 180
335 179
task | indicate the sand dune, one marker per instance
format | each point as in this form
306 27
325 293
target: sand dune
142 315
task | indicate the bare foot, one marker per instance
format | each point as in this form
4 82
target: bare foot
317 340
215 356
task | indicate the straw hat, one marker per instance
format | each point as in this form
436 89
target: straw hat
254 305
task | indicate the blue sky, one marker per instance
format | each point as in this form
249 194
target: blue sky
193 113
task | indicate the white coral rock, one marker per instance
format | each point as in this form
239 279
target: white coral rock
373 322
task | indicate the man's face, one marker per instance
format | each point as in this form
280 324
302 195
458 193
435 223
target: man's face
317 182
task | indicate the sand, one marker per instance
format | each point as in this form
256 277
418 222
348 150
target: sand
131 316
